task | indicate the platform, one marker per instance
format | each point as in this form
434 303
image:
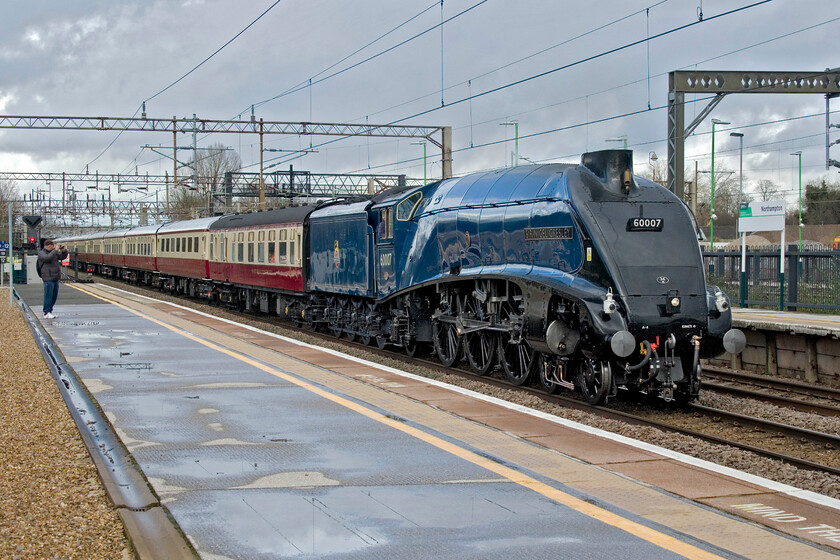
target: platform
261 447
803 346
787 321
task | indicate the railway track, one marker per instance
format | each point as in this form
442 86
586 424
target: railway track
782 392
757 435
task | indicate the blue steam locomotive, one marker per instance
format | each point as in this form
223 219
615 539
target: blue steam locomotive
574 276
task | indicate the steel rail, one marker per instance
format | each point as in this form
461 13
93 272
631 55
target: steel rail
796 404
772 382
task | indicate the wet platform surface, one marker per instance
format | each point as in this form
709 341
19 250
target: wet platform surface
263 448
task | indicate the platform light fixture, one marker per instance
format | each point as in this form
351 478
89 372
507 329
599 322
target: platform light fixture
652 157
622 138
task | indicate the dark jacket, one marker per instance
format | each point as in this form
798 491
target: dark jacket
49 264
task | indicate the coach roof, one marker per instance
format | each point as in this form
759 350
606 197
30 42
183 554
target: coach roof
294 215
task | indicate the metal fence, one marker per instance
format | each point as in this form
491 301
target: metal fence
811 279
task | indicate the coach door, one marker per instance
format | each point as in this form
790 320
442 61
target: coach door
384 265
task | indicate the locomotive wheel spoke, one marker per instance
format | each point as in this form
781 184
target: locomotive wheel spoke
597 381
447 343
549 387
518 361
480 348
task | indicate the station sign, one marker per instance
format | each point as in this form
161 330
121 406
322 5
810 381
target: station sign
762 216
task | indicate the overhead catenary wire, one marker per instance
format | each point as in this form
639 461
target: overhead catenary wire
521 60
619 116
308 82
194 68
377 55
560 68
584 60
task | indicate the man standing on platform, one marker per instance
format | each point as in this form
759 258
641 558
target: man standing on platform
49 269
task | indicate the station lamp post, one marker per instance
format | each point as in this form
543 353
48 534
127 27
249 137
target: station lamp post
799 155
740 136
712 216
622 138
652 161
743 290
424 159
515 125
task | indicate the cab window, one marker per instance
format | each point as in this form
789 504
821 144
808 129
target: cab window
385 229
405 209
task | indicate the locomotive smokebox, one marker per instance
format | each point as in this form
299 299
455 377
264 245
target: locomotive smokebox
613 167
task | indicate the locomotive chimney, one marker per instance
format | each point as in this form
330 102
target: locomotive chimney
613 167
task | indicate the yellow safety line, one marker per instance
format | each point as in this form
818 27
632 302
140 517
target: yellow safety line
651 535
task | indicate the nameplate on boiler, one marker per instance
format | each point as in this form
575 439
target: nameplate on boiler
540 234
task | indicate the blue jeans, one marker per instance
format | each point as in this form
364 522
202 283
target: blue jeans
50 295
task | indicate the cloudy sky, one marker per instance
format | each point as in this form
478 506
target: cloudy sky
558 68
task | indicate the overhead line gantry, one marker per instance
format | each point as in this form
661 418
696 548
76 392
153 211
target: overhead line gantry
253 125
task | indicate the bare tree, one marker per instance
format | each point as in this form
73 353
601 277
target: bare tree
194 197
8 195
726 197
766 190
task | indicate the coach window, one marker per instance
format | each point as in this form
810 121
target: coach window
292 253
271 250
282 247
195 243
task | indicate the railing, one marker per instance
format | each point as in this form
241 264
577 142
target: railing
811 280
